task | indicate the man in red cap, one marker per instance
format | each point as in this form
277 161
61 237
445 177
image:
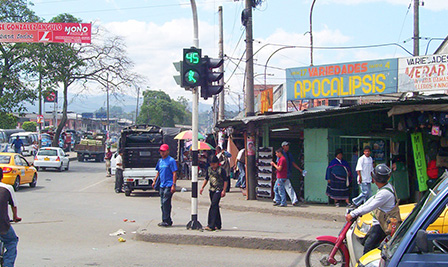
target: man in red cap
167 173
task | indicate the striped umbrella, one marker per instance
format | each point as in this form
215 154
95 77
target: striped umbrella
186 135
203 146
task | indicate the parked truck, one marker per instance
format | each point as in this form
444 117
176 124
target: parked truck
91 146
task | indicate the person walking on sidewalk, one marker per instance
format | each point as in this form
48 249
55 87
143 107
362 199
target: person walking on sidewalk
119 173
218 184
338 177
241 168
382 203
7 234
167 173
107 158
290 161
364 168
282 176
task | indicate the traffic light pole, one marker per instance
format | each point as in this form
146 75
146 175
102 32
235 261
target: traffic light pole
194 224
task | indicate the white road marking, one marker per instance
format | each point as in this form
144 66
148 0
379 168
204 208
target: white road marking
92 185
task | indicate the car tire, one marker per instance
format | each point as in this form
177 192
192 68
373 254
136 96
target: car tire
127 193
16 184
34 181
37 168
61 167
68 166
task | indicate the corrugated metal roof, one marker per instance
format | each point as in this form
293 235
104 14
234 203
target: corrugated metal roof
337 111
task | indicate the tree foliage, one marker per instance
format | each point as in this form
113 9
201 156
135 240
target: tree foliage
7 121
29 126
159 109
14 67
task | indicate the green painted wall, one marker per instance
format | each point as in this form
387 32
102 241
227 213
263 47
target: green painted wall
316 162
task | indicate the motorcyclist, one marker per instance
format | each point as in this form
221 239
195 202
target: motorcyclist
383 201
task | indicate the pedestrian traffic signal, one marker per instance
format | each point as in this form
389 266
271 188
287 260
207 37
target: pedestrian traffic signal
191 75
211 78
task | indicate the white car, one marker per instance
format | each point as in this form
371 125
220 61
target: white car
51 157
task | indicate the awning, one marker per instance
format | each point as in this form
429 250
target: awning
399 110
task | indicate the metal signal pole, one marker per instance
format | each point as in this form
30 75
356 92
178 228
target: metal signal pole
221 69
194 224
416 28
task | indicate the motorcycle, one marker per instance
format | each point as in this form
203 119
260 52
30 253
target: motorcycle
343 250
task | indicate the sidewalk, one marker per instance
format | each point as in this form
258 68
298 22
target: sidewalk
254 224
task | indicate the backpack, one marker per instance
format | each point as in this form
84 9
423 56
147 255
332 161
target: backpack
389 221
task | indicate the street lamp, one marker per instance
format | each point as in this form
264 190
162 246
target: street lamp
311 32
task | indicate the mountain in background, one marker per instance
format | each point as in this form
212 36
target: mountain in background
89 103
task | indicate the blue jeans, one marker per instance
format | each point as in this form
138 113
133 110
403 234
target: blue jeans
242 177
280 192
10 240
366 192
165 201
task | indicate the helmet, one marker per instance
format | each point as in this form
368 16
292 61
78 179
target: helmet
381 173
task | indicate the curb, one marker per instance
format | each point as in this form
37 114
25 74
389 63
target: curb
296 211
298 245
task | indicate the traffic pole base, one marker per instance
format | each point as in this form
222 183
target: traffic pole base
194 224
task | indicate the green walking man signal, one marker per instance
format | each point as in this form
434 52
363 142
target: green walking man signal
191 68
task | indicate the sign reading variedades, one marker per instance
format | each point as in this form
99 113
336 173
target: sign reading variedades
423 73
342 80
45 32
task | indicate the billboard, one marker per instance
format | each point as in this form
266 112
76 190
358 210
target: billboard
342 80
45 32
423 73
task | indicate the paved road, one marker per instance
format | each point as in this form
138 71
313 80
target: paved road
68 217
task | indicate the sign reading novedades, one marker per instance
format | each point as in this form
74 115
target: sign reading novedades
342 80
45 32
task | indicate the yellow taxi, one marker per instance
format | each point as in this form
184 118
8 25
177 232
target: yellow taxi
17 170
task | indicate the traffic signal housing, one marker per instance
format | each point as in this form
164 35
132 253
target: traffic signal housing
191 68
211 85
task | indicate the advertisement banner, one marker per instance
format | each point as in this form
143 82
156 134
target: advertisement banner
45 32
266 101
342 80
420 161
424 73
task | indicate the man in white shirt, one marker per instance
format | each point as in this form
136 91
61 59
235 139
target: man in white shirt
119 173
364 168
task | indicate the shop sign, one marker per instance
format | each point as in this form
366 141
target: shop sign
45 32
266 100
420 161
423 73
342 80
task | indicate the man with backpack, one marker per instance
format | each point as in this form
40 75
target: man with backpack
383 205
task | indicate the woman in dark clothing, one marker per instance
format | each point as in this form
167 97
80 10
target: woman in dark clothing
338 178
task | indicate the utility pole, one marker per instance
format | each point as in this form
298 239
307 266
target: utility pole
221 68
416 28
136 107
194 224
311 32
107 93
250 162
40 109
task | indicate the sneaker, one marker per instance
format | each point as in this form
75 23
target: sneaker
296 204
163 224
283 205
352 206
209 229
118 191
276 204
336 204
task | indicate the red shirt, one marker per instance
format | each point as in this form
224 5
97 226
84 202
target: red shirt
283 174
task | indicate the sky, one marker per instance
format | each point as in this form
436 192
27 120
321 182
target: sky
155 33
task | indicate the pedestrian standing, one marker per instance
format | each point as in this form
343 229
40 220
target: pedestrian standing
107 158
338 179
282 176
364 168
290 161
7 234
225 164
17 144
218 184
119 173
167 173
241 168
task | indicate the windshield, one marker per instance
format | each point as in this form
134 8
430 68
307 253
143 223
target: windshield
138 139
25 140
393 244
47 152
5 159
